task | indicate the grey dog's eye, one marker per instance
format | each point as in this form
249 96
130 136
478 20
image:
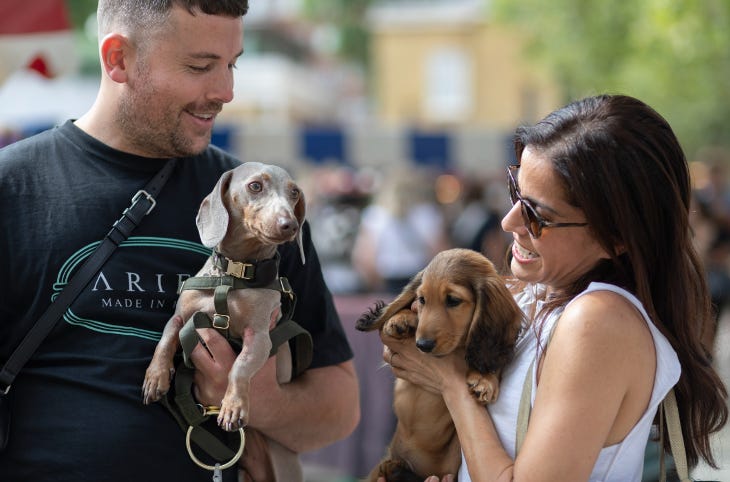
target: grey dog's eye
452 301
255 186
295 192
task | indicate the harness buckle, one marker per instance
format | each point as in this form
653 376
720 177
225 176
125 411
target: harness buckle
241 270
147 195
286 287
221 322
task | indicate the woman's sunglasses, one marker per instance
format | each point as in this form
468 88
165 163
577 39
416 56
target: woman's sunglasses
533 221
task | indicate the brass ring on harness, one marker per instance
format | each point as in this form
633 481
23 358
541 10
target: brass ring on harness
212 410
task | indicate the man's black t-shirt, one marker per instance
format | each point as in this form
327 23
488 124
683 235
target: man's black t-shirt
77 411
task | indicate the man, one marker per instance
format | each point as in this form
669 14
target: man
77 411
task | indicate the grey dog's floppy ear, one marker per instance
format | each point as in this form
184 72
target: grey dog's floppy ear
300 210
212 219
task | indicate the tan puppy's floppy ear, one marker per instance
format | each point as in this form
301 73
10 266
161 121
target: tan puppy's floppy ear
212 219
299 212
495 324
404 299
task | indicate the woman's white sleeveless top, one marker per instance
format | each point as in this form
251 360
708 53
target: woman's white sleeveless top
622 462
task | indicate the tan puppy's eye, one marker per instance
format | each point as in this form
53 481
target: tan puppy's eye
255 186
421 300
452 301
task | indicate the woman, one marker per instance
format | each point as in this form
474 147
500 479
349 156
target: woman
615 300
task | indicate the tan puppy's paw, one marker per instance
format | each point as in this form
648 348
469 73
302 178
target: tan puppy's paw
485 388
401 325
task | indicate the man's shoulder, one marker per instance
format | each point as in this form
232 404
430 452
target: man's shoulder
20 148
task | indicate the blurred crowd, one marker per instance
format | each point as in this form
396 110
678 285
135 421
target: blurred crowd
375 228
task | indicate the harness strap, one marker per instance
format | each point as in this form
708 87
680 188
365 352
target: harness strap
301 344
185 410
187 413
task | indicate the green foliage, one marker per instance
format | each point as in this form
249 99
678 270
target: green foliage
348 16
673 54
79 11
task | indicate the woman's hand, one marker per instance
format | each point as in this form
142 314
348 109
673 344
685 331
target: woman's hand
431 373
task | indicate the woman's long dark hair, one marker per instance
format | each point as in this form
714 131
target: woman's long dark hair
619 161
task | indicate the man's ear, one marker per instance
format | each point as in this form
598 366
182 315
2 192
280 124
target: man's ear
114 56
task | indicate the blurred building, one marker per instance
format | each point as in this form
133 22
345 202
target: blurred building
446 88
445 63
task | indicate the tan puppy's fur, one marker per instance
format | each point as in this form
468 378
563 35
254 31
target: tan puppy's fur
252 209
457 303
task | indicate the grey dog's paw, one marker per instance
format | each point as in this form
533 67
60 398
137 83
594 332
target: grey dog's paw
156 383
233 414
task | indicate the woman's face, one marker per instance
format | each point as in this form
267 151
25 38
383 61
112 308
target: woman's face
561 254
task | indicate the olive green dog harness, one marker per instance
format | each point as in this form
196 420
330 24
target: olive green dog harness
238 275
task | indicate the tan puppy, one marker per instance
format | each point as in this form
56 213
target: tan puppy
252 209
457 302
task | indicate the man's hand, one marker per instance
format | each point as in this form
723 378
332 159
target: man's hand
213 358
256 461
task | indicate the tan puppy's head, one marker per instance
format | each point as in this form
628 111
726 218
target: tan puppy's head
253 204
462 301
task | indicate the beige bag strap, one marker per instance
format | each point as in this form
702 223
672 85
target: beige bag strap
523 415
670 412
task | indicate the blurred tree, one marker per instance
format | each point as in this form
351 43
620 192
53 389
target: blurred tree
673 54
348 17
79 11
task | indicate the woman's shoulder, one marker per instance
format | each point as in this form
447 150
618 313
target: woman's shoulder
604 312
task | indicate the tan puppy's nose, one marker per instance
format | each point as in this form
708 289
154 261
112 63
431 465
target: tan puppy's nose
426 345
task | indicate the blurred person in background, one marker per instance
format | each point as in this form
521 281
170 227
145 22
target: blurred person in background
615 302
399 232
76 407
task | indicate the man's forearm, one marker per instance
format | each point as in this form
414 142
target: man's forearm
316 409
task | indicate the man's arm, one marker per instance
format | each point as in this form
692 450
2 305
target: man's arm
316 409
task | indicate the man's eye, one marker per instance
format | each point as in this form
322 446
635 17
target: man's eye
196 68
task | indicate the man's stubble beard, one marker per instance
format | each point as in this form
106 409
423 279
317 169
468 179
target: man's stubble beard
154 131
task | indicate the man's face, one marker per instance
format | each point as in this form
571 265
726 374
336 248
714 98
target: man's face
178 83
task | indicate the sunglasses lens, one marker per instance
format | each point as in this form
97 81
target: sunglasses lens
532 220
513 190
529 216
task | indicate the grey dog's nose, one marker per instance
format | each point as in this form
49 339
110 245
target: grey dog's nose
425 345
287 224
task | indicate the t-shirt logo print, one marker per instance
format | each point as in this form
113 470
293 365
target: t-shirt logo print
133 291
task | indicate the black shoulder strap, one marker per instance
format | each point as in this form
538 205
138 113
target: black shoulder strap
142 203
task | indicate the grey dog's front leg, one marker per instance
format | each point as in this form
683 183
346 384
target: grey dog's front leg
161 369
235 405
